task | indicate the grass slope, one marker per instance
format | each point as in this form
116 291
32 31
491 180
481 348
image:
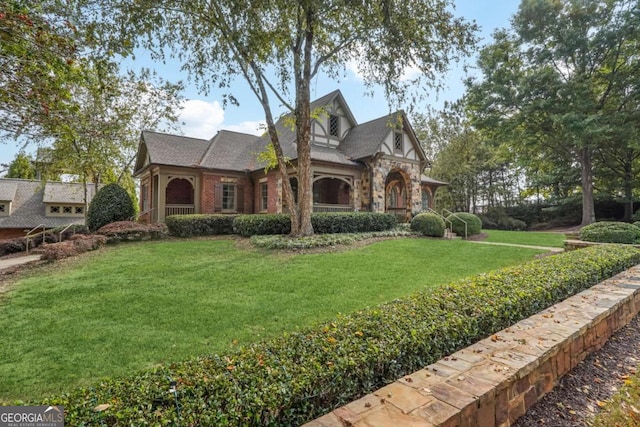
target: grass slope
128 307
533 238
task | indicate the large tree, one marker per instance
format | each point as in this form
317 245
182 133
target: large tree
552 83
278 47
38 48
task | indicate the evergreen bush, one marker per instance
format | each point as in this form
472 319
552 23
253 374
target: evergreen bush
110 204
610 232
473 222
200 225
428 224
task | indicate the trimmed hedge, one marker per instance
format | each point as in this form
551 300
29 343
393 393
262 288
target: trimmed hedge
299 376
428 224
323 223
200 225
474 224
610 232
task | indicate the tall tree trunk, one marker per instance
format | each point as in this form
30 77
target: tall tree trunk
303 122
628 186
586 168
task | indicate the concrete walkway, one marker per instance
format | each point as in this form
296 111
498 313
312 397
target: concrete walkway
10 262
516 245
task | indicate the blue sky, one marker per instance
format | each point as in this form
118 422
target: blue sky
203 115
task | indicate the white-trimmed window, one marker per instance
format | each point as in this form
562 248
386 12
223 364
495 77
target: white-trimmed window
228 197
398 143
54 209
4 209
264 196
334 125
79 210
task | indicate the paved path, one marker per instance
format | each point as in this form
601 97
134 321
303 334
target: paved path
515 245
10 262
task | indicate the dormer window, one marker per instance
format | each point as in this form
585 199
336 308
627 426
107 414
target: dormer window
4 209
334 126
398 145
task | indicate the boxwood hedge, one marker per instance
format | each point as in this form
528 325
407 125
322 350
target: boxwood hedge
610 232
294 378
200 225
473 222
428 224
323 223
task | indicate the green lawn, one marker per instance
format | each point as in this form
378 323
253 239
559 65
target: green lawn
534 238
132 306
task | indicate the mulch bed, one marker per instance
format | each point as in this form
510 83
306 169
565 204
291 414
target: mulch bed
579 394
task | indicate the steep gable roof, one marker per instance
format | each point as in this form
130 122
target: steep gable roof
8 191
230 150
64 192
174 150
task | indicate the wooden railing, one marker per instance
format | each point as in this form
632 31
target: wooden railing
317 207
179 210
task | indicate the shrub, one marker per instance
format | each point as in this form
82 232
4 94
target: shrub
323 223
321 240
252 225
636 216
610 232
76 244
474 224
132 231
297 377
497 219
110 204
352 222
428 224
637 224
200 225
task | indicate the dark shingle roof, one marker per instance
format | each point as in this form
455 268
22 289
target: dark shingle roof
364 140
28 206
231 151
8 191
429 180
63 192
174 150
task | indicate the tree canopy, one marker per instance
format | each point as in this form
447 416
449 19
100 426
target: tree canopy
277 47
560 85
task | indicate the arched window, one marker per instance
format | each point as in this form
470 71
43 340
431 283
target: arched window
425 200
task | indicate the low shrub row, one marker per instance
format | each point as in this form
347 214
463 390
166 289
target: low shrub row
321 240
252 225
76 245
130 231
299 376
610 232
497 219
428 224
11 246
200 225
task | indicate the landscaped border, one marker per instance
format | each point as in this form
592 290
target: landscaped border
289 380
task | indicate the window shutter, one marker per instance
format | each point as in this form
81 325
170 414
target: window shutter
240 198
217 198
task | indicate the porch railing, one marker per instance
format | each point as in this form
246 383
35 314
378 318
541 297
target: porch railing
317 207
179 210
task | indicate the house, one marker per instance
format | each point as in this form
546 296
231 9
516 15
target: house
26 204
375 166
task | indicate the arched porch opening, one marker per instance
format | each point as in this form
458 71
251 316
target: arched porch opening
179 197
398 195
332 194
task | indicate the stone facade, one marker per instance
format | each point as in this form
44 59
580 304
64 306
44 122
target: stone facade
411 173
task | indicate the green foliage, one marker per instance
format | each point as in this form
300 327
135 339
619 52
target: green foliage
428 224
610 232
497 219
200 225
323 223
251 225
636 215
320 240
21 167
458 221
637 224
110 204
292 379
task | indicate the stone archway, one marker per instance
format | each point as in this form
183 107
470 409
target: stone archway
398 195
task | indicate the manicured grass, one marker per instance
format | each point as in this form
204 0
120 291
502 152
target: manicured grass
124 308
533 238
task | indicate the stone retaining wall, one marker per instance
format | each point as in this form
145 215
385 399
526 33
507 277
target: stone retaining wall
495 381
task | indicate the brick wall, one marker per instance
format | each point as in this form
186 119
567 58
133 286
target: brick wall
210 184
11 233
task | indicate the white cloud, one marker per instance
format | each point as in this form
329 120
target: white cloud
409 73
201 119
250 127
